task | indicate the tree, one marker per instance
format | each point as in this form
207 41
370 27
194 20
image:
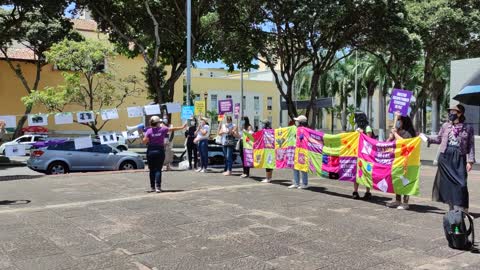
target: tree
36 25
88 85
156 30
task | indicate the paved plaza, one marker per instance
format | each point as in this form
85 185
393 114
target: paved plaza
209 221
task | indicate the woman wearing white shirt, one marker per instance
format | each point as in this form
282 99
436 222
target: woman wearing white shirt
227 131
203 133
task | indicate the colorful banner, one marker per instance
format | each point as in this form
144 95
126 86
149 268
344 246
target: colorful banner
285 147
391 167
264 149
247 139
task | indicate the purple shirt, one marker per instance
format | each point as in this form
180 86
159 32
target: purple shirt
464 135
156 136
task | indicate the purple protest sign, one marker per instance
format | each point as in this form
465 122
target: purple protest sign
236 110
225 106
400 101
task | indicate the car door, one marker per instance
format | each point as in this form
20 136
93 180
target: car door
27 141
105 156
96 158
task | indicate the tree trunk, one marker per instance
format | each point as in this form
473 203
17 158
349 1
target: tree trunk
21 123
382 108
435 114
313 93
424 117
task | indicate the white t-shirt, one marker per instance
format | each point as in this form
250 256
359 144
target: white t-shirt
226 128
200 136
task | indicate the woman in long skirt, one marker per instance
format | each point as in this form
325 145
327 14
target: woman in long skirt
457 155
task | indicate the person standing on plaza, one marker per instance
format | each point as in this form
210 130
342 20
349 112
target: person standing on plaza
300 121
227 131
154 137
246 127
363 127
202 135
192 149
3 131
403 130
268 172
457 156
168 145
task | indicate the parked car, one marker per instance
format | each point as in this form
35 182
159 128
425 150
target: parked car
27 140
120 145
63 158
215 156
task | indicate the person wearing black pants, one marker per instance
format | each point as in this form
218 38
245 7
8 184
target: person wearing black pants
154 137
192 149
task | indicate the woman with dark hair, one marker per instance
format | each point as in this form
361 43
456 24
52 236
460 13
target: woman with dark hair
227 131
457 155
202 135
403 130
268 172
192 150
362 127
246 127
154 137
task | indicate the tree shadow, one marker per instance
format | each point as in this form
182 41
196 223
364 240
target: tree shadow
16 202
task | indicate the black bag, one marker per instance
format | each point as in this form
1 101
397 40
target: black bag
456 231
230 140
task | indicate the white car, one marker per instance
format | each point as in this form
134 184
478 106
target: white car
27 140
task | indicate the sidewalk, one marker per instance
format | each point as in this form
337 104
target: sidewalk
209 221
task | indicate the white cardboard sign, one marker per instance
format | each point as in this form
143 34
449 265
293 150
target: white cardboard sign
83 142
37 120
63 118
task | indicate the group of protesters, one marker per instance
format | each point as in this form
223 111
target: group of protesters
456 157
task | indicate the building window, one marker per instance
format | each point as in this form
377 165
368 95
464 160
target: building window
269 103
211 74
256 122
244 103
213 102
256 103
229 96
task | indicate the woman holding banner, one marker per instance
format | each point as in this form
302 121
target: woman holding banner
246 127
154 137
403 130
203 134
457 155
363 127
300 121
268 172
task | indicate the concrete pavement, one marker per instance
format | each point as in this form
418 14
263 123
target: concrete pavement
208 221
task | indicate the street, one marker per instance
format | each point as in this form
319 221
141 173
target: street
210 221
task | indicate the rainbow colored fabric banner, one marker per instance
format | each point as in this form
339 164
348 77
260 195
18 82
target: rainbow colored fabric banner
247 140
391 167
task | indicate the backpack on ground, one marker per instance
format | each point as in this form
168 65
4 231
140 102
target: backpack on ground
456 231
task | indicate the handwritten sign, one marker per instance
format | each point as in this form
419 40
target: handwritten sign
200 107
236 110
187 112
400 101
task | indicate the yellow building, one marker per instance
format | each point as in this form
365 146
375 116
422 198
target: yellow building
261 97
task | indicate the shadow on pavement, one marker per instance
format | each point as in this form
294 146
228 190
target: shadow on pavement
16 202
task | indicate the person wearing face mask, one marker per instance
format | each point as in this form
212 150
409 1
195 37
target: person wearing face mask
227 132
300 121
268 172
362 127
154 137
192 150
457 155
403 130
168 144
202 135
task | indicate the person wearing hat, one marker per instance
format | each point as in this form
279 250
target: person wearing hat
457 155
268 172
154 137
300 121
203 134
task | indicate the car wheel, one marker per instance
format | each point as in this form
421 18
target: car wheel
57 167
128 165
122 148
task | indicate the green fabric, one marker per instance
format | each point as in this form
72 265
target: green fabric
406 186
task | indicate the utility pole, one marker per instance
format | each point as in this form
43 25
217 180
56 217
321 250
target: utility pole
356 77
189 49
241 93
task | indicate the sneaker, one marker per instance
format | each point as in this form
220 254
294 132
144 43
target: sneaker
243 176
227 173
266 180
203 171
367 196
403 206
394 204
158 190
355 196
198 170
293 186
303 187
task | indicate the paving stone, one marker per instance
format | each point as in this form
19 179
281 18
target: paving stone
88 247
29 247
244 263
267 251
139 247
102 260
301 261
170 235
56 262
124 237
166 258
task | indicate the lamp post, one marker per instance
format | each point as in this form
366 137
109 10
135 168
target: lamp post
241 93
205 96
189 48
